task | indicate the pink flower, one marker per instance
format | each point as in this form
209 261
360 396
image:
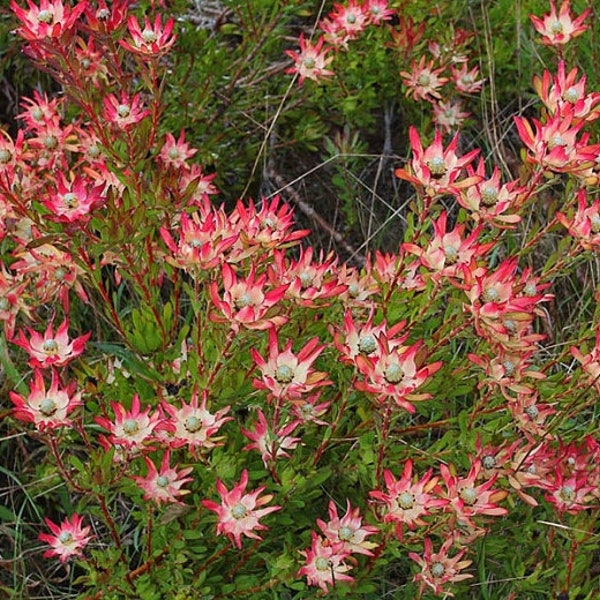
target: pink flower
131 429
164 485
52 19
570 493
68 539
203 184
194 425
46 409
51 143
469 500
238 513
423 81
448 252
285 374
502 313
106 18
12 301
74 200
407 501
311 61
554 144
438 569
351 19
271 445
557 30
507 370
12 152
348 534
590 362
393 372
270 226
359 285
466 81
529 414
124 111
310 409
353 340
563 94
175 153
325 564
378 11
247 302
309 281
203 242
40 111
449 115
54 271
489 199
51 349
153 40
436 170
584 225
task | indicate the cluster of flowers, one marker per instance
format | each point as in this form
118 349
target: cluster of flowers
56 177
428 77
343 24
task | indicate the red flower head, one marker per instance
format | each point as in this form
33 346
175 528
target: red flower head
203 242
271 445
51 349
407 501
246 301
192 425
468 499
324 563
438 569
311 61
584 225
436 170
448 252
489 199
352 339
46 409
449 115
529 414
131 429
309 281
423 81
590 363
285 374
73 201
153 40
125 111
378 11
175 153
271 226
107 17
52 19
11 300
570 493
393 372
348 534
164 485
554 144
466 81
238 513
557 30
68 539
563 94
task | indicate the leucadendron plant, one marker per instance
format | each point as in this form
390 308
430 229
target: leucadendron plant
203 405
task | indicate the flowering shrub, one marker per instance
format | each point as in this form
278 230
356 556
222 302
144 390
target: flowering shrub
228 411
